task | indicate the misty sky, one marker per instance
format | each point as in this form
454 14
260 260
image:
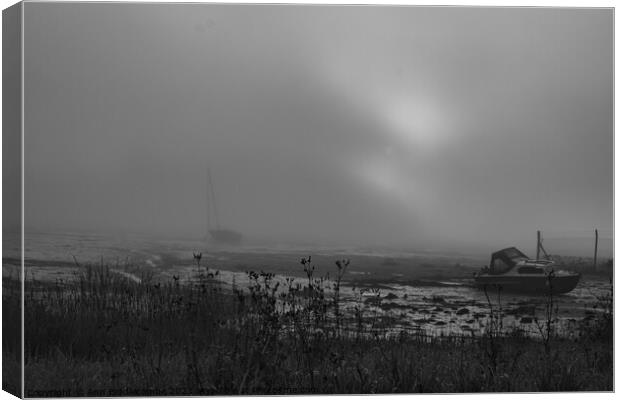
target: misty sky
426 127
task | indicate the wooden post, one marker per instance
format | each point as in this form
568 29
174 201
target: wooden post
595 246
538 245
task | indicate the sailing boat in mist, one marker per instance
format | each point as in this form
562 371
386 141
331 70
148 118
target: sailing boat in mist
217 233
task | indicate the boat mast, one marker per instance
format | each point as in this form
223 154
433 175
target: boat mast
211 191
539 247
208 203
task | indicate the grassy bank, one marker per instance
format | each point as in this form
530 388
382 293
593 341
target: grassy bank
103 334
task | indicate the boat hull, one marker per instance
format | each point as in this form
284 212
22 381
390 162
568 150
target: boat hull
225 236
529 284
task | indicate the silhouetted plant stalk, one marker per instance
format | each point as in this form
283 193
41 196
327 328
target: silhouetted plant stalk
602 325
342 267
494 330
547 328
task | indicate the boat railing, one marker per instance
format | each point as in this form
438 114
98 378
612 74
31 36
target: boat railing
547 262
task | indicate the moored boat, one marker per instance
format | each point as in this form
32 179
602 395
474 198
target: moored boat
218 234
511 270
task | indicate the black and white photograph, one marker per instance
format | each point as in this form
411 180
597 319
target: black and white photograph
216 199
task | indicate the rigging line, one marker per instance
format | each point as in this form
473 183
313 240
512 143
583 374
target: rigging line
578 238
576 230
570 237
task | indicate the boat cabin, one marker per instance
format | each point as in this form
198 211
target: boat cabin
504 260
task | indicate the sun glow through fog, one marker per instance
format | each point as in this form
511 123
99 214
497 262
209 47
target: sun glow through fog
413 124
416 122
